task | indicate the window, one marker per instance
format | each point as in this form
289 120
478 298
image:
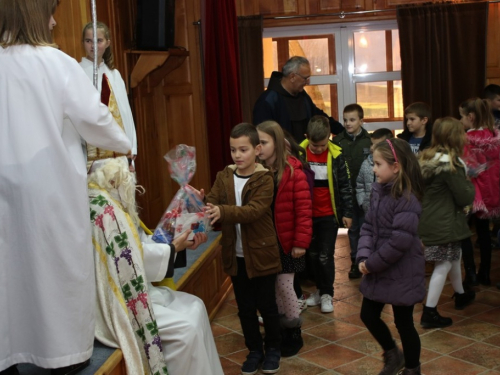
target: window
350 63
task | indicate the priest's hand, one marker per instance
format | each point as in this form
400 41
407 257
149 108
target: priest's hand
181 242
198 239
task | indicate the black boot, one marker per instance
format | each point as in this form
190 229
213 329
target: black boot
394 360
483 277
411 371
464 299
12 370
71 369
470 278
432 319
291 342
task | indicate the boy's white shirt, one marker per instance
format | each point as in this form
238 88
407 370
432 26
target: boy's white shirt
239 185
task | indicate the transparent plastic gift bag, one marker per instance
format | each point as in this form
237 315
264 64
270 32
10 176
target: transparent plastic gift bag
186 210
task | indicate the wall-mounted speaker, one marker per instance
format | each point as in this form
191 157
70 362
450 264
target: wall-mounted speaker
155 24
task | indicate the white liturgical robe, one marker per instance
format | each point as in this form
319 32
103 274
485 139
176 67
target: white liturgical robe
120 91
181 318
47 285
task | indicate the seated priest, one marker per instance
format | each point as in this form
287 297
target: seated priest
157 328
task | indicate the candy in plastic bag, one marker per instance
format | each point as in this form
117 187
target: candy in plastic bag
186 210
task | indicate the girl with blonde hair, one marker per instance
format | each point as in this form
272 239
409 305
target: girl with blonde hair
443 224
106 64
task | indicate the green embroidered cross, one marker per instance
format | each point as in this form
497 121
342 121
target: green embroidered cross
152 328
122 240
100 200
127 292
138 284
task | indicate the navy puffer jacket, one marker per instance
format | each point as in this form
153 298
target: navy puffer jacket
392 250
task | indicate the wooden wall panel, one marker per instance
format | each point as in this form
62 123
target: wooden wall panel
176 115
70 16
493 45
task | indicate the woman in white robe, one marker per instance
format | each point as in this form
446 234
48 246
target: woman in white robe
47 285
106 66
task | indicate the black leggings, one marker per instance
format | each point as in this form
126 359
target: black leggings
403 317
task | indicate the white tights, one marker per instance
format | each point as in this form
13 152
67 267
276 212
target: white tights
438 278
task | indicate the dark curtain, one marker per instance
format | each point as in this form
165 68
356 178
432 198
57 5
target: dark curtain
222 79
251 63
443 54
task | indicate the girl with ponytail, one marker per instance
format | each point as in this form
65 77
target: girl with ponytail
106 65
482 155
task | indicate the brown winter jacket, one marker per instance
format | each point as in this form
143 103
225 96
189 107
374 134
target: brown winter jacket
258 237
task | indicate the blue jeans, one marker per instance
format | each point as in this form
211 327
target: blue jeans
320 253
358 218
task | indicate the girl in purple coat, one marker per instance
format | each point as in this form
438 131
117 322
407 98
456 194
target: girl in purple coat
390 254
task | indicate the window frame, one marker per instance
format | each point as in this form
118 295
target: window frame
345 78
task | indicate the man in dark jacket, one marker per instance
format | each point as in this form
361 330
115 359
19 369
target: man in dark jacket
286 102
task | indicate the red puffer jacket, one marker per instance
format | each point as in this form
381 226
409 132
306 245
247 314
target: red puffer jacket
293 208
484 148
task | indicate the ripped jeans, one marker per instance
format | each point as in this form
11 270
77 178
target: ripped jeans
320 253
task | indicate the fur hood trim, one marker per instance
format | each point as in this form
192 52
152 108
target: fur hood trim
258 167
439 164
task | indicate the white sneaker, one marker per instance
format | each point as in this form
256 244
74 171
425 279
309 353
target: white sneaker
326 303
302 304
261 321
314 299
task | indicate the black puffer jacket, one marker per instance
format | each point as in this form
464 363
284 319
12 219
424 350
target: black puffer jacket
338 182
271 105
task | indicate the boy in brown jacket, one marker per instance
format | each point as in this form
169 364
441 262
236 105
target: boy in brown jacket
241 201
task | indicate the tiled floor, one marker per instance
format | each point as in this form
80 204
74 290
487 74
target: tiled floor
338 343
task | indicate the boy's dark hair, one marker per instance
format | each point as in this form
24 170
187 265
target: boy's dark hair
382 133
491 91
245 129
421 109
318 128
355 108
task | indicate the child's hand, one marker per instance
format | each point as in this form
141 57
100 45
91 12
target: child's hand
347 222
213 212
363 269
200 193
298 252
198 239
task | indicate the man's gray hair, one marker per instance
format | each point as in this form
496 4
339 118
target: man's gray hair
293 65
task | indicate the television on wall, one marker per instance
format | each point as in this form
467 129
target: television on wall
155 25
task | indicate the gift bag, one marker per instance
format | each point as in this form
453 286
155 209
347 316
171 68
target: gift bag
186 210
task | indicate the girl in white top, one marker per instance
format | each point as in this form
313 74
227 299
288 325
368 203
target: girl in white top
106 65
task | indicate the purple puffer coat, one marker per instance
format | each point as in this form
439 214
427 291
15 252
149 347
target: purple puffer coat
392 249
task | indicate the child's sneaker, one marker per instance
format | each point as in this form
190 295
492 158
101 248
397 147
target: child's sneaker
302 303
251 365
326 303
271 363
314 299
